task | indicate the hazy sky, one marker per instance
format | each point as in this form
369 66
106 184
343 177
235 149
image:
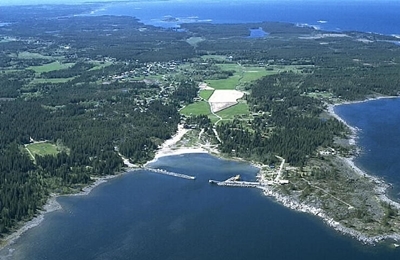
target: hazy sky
33 2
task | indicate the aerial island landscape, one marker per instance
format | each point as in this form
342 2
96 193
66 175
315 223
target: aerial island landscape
86 98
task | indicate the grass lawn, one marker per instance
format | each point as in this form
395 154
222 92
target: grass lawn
42 149
238 109
51 66
206 94
195 109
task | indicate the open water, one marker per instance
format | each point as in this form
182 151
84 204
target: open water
378 122
145 215
368 16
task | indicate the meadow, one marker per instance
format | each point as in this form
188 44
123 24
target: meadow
41 149
56 65
197 108
239 109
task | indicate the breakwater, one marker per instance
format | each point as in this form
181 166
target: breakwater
174 174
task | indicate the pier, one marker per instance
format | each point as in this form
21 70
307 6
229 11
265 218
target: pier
236 182
247 184
179 175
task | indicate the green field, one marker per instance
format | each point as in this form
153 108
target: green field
51 66
41 149
206 94
241 76
229 83
255 73
231 66
195 109
214 57
99 65
231 112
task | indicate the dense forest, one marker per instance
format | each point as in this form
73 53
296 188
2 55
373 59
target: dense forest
298 130
89 123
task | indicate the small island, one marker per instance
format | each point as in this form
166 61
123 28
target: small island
84 98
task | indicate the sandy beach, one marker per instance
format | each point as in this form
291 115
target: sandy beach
168 148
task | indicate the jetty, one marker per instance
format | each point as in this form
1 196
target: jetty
175 174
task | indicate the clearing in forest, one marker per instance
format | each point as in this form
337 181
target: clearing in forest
56 65
41 149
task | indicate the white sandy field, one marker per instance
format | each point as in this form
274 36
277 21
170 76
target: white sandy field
222 99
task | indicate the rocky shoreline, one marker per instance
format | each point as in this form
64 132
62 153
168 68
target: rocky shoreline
289 202
380 190
50 206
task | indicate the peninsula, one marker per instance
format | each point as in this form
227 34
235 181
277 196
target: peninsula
84 97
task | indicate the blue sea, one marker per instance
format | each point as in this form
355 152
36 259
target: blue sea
346 15
378 122
145 215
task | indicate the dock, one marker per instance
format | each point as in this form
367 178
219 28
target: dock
174 174
247 184
236 182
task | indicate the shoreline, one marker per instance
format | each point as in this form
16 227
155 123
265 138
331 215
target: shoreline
301 207
168 148
380 185
52 205
380 188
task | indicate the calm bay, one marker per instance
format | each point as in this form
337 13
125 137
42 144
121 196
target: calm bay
145 215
